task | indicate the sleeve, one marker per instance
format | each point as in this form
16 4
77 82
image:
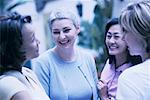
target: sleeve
42 71
94 72
9 86
126 88
91 63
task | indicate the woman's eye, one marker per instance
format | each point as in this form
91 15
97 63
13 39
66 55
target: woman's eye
108 36
56 32
66 30
117 37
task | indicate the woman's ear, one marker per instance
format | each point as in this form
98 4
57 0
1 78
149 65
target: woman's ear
78 29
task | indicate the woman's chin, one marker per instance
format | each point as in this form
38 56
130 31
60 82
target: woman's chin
36 55
33 56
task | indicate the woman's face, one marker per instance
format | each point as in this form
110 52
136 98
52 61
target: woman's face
30 42
136 43
64 33
114 40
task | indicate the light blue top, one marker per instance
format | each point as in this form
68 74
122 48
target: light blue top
64 80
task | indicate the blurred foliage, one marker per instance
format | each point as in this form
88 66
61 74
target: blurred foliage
92 34
2 5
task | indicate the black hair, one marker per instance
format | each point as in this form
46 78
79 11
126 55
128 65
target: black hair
11 57
133 59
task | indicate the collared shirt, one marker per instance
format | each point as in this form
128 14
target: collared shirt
110 75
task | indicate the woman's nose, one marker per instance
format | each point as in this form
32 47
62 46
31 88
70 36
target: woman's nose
62 35
112 40
38 42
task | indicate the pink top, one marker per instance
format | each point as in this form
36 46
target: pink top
110 75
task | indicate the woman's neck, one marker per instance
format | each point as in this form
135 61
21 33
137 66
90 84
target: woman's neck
145 56
121 59
67 54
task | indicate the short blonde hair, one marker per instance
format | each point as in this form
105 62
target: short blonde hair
61 14
135 18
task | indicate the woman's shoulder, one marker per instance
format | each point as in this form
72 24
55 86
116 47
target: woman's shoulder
10 85
44 57
46 54
27 70
6 80
29 73
86 53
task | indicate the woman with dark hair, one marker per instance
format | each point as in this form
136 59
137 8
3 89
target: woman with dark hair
119 59
17 45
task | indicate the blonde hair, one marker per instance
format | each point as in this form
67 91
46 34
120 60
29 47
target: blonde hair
61 14
135 18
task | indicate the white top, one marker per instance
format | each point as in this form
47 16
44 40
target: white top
134 83
13 82
7 90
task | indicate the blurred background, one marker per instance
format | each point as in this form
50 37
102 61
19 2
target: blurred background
93 15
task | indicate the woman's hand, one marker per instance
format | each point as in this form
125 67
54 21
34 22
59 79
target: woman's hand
103 90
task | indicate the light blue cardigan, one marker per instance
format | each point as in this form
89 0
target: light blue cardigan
50 78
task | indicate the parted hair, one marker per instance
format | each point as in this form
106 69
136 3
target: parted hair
11 57
135 18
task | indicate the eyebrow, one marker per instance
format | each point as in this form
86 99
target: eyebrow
66 27
62 28
113 33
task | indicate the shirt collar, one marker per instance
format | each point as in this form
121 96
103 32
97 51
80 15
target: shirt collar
123 67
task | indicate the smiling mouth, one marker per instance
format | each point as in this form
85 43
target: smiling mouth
113 47
63 43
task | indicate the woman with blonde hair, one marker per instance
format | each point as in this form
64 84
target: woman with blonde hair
134 83
66 71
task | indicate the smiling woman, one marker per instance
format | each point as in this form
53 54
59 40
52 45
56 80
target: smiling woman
134 83
114 41
17 45
118 60
60 67
64 35
30 42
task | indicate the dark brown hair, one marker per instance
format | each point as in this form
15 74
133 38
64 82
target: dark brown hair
11 57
